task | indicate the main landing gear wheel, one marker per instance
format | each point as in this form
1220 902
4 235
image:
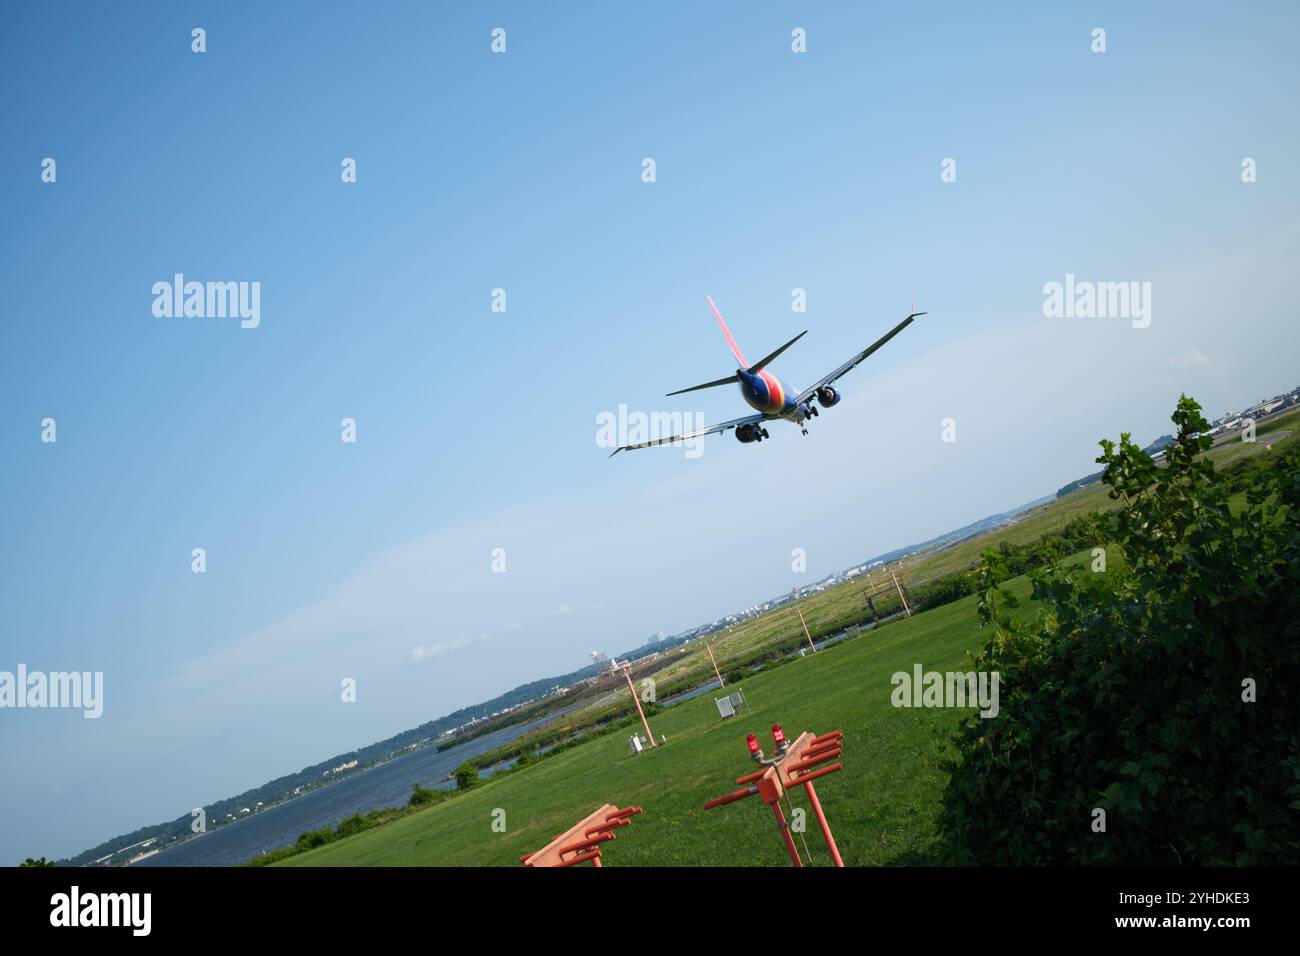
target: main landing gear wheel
765 434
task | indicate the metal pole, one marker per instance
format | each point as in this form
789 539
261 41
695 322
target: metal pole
637 700
900 594
721 682
805 628
785 834
821 822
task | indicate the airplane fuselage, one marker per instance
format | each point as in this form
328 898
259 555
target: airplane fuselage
765 393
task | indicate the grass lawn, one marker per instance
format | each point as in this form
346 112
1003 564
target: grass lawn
844 604
882 807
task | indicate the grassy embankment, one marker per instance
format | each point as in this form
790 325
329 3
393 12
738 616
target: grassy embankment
844 605
883 806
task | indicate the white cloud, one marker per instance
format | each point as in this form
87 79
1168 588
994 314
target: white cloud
426 652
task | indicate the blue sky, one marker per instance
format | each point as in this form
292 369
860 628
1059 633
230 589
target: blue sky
476 429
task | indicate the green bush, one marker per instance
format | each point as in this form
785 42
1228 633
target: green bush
314 838
423 796
1130 691
351 825
467 776
945 590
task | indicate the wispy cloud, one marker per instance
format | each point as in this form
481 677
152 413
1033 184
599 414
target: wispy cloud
427 652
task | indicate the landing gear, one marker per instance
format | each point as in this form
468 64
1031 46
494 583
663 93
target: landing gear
765 434
812 411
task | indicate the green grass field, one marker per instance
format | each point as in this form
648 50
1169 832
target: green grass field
843 604
882 806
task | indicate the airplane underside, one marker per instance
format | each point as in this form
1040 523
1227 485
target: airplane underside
764 392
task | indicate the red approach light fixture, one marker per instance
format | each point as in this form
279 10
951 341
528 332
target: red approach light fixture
795 764
778 737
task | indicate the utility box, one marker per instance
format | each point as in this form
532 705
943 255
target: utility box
635 743
729 706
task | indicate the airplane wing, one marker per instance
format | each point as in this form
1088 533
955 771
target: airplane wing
848 366
747 420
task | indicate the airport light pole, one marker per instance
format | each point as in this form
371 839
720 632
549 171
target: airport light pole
805 629
637 700
721 682
900 593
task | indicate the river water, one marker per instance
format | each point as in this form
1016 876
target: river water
385 785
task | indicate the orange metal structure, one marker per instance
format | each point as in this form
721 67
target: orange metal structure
581 842
637 700
805 629
896 581
901 596
717 673
792 766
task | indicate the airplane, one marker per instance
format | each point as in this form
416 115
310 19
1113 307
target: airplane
766 393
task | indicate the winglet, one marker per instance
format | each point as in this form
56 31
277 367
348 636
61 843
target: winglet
914 313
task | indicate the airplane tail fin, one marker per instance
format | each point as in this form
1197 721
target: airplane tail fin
727 332
735 350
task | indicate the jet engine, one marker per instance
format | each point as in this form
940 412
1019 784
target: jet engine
827 396
749 432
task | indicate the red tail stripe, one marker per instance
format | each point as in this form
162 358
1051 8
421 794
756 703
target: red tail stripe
727 332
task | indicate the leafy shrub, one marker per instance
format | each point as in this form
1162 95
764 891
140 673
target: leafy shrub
351 825
314 838
945 590
467 776
1129 692
422 796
